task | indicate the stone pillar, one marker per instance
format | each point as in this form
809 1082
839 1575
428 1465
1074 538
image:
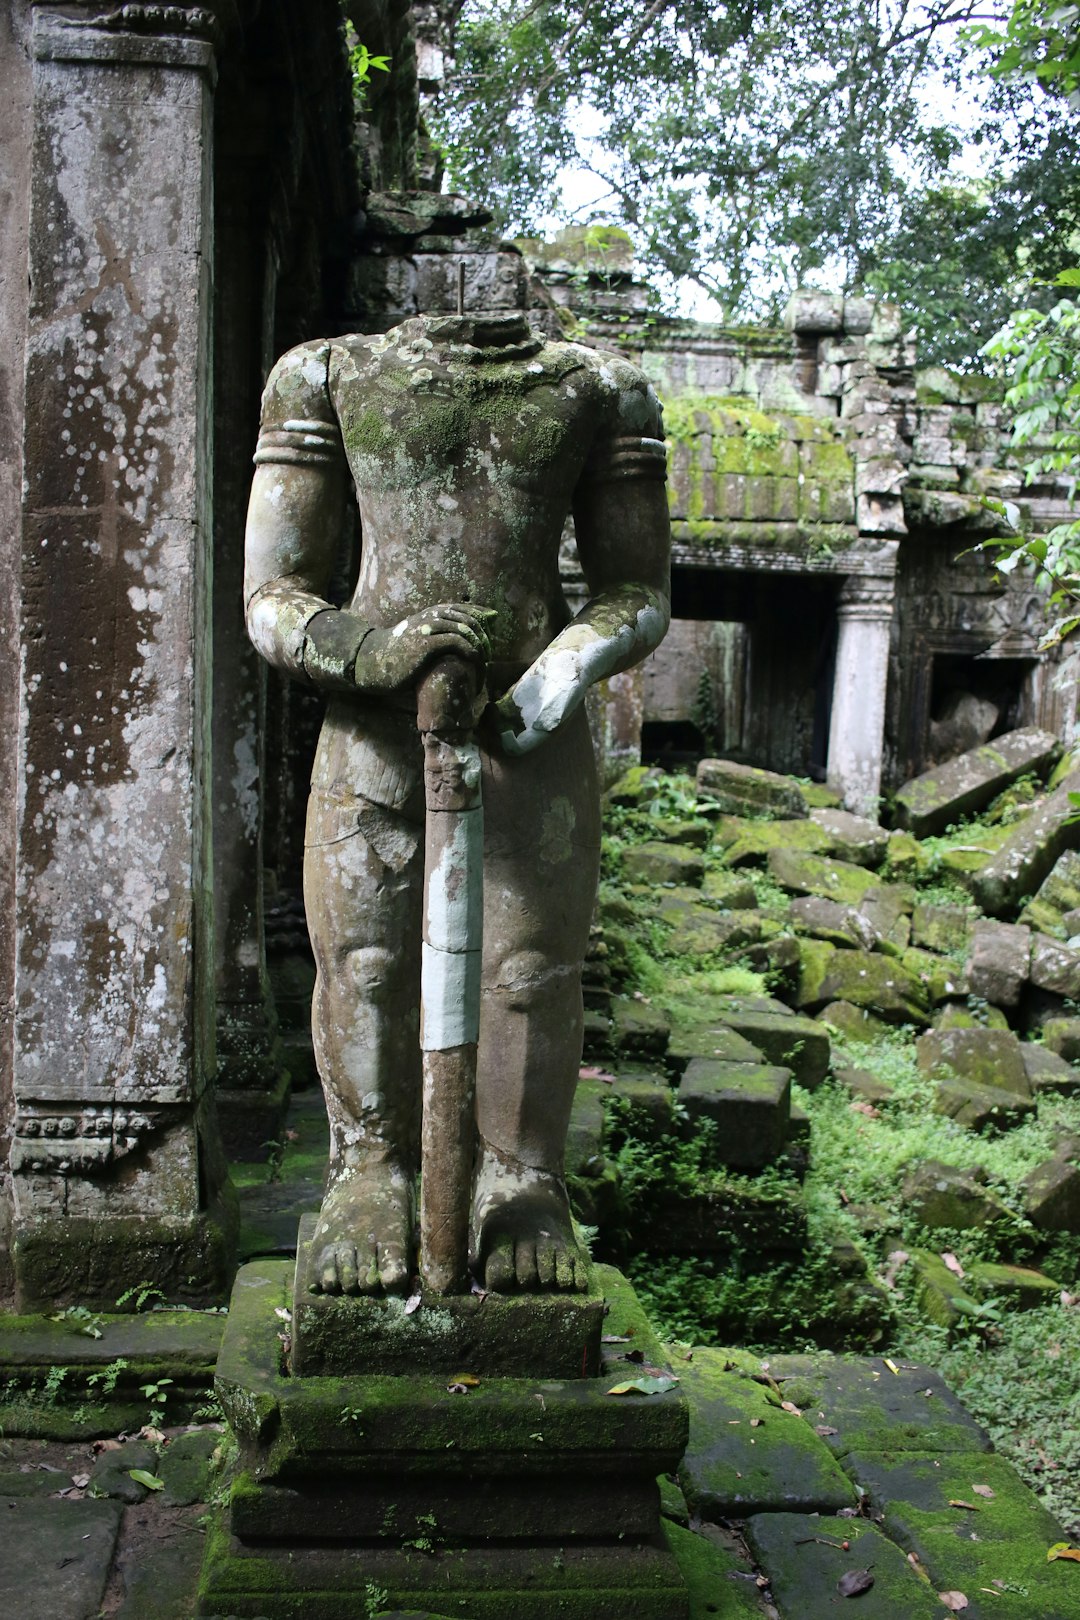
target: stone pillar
116 1167
857 724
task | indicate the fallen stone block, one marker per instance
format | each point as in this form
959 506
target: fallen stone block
838 925
694 834
647 1107
905 856
728 891
866 1407
1062 1035
939 1293
1029 853
1052 1196
186 1467
57 1557
942 928
853 838
938 798
796 1043
850 1023
746 1454
746 790
712 1039
1058 899
997 969
663 863
743 842
702 931
863 979
958 1015
942 1195
1015 1285
636 787
817 874
735 1215
985 1057
980 1108
750 1103
863 1085
1055 967
940 974
638 1029
1049 1074
804 1567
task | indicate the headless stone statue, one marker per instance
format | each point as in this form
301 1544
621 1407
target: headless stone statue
468 440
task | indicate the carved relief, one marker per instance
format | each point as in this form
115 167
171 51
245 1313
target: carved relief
51 1139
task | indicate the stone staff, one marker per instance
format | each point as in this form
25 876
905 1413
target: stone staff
450 969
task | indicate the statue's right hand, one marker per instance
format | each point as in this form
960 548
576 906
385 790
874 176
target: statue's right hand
391 660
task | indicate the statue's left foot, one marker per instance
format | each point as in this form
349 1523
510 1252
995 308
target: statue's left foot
523 1232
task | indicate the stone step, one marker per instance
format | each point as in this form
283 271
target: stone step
750 1104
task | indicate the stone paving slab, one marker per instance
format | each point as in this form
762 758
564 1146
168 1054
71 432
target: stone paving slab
872 1408
721 1581
804 1571
746 1453
56 1558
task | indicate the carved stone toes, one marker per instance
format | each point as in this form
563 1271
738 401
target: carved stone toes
500 1272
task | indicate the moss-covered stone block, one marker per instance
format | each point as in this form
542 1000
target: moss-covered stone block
817 874
57 1556
728 891
1048 1074
732 1214
940 974
1028 853
850 1023
941 1296
806 1558
981 1108
745 1453
853 838
958 1015
1062 1036
746 790
749 1103
663 863
786 1039
871 1408
941 1195
863 979
757 838
942 928
1052 1196
984 1057
930 802
720 1579
638 1029
710 1039
1011 1285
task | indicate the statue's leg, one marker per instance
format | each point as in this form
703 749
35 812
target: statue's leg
541 860
363 881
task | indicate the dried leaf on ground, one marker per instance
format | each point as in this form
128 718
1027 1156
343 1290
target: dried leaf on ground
412 1304
789 1406
854 1582
969 1507
984 1490
955 1602
953 1264
1061 1549
643 1386
825 1429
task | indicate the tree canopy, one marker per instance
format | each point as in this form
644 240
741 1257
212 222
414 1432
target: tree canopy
764 144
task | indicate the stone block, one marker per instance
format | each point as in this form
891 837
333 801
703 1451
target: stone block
958 1015
854 838
747 843
746 790
803 1557
703 931
745 1453
981 1108
1062 1036
851 1023
930 802
638 1029
815 874
57 1557
863 979
719 1579
1000 961
870 1408
1047 1073
1058 899
710 1039
941 928
940 1295
728 891
111 1474
187 1466
796 1043
863 1085
662 863
985 1057
940 974
647 1105
940 1195
513 1335
733 1216
842 926
749 1103
1028 853
1052 1196
1014 1285
1055 967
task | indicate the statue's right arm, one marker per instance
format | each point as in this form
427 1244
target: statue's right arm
294 524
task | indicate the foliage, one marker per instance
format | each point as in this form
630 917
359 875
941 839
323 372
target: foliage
361 65
1039 42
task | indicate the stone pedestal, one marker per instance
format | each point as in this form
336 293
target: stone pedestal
467 1493
857 723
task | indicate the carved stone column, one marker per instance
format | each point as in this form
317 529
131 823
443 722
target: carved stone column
857 725
116 1166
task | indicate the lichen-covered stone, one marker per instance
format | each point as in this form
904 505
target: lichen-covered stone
638 1029
941 1195
940 1295
1015 1285
985 1057
815 874
1048 1074
1028 853
662 863
853 838
753 840
749 1103
981 1108
940 974
728 891
839 925
1052 1196
1062 1036
805 1560
851 1023
863 1085
1058 895
942 928
863 979
1055 967
958 1015
793 1042
998 967
746 790
929 803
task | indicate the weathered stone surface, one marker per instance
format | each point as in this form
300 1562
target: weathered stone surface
1062 1036
864 1085
1028 854
649 1102
942 1195
958 1015
635 787
1016 1285
863 979
638 1029
853 838
56 1557
662 863
730 1468
1000 959
112 1471
940 974
1058 898
1052 1196
980 1107
702 930
1055 967
186 1467
749 1103
1048 1073
941 928
162 1582
940 1294
852 1023
839 925
904 856
711 1038
719 1579
747 843
745 790
816 874
728 891
986 1057
804 1561
874 1409
799 1044
931 802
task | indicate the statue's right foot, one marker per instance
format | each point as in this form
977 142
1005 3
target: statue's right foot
363 1239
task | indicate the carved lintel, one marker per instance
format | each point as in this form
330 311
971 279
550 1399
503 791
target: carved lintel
142 35
82 1139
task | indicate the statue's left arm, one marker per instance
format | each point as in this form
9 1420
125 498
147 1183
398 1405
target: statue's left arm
624 544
